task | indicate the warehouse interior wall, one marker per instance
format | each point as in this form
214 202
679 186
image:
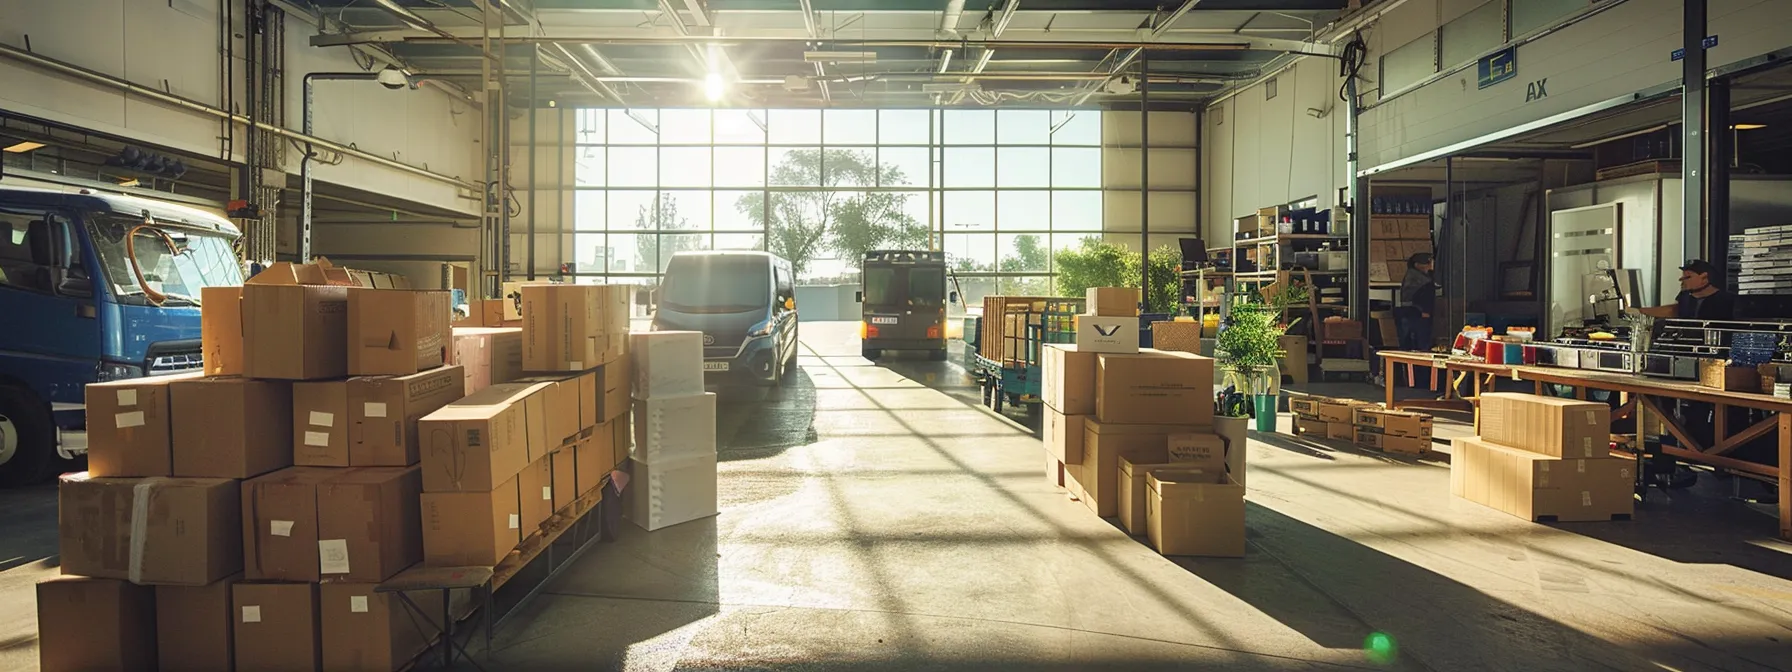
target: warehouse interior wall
1173 150
1269 149
550 193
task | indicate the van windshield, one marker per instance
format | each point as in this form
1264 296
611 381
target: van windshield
203 260
706 283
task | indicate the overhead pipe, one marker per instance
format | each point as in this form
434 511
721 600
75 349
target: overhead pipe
949 29
127 86
736 40
415 20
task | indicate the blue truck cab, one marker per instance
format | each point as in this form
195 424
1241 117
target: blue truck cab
94 287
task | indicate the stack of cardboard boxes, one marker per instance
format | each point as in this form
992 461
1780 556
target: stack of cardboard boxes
1115 413
1393 239
673 466
1325 417
1392 431
1544 458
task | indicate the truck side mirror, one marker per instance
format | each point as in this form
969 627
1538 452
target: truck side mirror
70 284
858 297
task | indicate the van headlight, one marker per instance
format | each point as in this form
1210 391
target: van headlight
760 330
109 371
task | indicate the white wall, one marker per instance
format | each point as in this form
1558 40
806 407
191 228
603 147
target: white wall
1172 149
1265 151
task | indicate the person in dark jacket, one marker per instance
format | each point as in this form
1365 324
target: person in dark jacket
1414 305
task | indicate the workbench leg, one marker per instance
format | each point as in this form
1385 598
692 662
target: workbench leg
1539 388
1387 378
1786 476
1720 424
1580 393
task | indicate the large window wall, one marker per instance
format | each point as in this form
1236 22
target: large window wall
998 190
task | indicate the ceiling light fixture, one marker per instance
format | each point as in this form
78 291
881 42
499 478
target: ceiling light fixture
840 56
1748 127
714 87
23 146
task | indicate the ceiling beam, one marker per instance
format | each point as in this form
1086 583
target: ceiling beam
1157 32
1105 39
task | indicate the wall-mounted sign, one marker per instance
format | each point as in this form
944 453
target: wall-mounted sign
1680 54
1497 67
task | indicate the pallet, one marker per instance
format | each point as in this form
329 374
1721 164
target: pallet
550 531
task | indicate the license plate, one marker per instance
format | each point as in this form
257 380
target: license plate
883 320
715 366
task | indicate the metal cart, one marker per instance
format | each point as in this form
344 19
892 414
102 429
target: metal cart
1013 375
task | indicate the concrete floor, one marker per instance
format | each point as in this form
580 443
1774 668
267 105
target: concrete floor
875 518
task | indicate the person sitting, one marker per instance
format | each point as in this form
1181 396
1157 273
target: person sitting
1418 296
1699 298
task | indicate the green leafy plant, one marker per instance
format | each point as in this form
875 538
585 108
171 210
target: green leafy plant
1099 263
1247 345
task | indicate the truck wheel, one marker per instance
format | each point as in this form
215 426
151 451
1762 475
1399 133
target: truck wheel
937 355
27 440
872 353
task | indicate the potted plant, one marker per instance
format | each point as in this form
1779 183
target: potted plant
1247 348
1231 418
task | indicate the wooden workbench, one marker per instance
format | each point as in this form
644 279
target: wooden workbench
1641 396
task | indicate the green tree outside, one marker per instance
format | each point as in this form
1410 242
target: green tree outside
834 217
653 251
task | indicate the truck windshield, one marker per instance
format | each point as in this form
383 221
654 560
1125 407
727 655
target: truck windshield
705 283
914 287
204 260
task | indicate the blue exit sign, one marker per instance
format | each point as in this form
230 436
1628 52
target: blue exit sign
1707 43
1497 67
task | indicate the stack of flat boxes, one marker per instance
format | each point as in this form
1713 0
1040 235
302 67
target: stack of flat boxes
673 464
1543 458
1392 431
1393 240
1115 414
1326 417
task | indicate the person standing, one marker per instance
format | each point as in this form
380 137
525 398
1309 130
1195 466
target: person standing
1417 299
1699 298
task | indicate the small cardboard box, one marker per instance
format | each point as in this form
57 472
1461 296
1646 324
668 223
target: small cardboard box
667 363
471 529
487 356
1546 425
574 327
670 492
1154 387
675 428
1307 406
1340 430
276 626
1384 251
194 626
1384 229
1405 445
1378 272
365 630
1188 451
312 523
1415 229
1113 301
130 427
1107 334
1718 374
88 623
221 331
1318 429
176 531
1539 487
1064 436
1194 512
397 332
479 442
1067 379
1339 410
231 427
295 325
1380 420
1103 446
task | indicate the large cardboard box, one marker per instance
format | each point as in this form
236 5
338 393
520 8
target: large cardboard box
294 331
1533 486
280 524
1194 512
1546 425
565 468
368 631
313 523
669 492
194 627
221 331
1067 379
1339 410
667 363
604 452
129 427
1107 334
177 531
88 624
1112 301
479 442
1202 447
1133 489
1154 387
1415 229
1378 420
1412 247
615 382
368 421
574 327
276 627
1054 470
1103 446
535 493
471 529
558 398
1064 436
231 427
397 332
675 428
488 356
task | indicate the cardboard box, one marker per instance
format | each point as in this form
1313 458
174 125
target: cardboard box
1339 329
1293 362
231 427
368 631
667 363
194 626
535 493
1340 430
314 523
129 427
1176 336
561 418
675 428
1054 470
604 452
1415 229
1154 387
1405 445
1306 406
574 327
294 328
1064 436
490 312
1378 272
1132 477
368 421
1382 229
1194 512
615 383
1318 429
1385 251
487 356
1538 487
1067 379
565 468
471 529
397 332
276 626
1380 420
1103 446
1546 425
1718 374
1107 334
1204 448
1112 301
221 331
176 531
669 492
1412 247
1339 410
88 623
479 442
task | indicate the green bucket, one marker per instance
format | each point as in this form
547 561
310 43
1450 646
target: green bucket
1266 412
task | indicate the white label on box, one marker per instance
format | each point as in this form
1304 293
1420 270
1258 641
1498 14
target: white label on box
332 556
1592 417
131 419
1586 498
322 419
374 409
577 364
280 528
1586 444
127 397
515 521
547 492
1543 466
251 613
317 439
357 604
1581 465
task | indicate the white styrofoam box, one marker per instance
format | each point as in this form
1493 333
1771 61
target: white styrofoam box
671 492
670 428
667 363
1118 335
